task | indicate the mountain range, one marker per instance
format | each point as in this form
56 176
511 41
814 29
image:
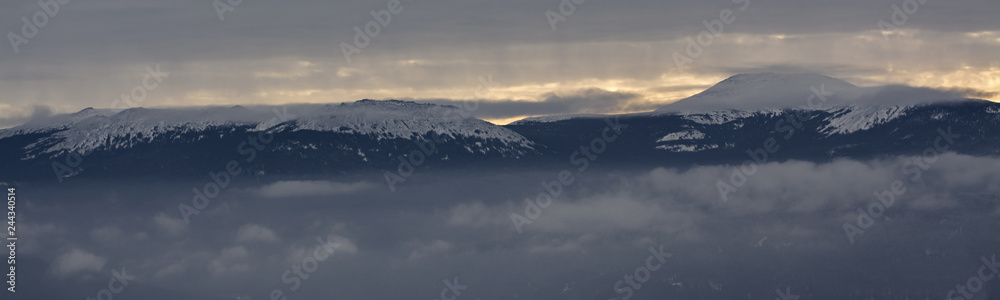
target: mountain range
811 117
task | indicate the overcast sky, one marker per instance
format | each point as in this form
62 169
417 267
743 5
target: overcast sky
604 57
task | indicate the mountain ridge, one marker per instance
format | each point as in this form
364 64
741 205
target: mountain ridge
90 128
375 136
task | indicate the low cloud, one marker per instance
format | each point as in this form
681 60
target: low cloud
562 245
283 189
970 93
12 117
255 233
106 234
299 252
807 187
459 224
673 201
474 214
76 261
427 249
169 225
589 100
230 260
234 253
900 95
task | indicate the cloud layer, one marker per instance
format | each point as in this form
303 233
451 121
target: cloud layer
267 53
283 189
786 219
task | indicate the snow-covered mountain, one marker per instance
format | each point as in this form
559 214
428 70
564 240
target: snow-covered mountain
685 139
365 134
761 91
843 119
816 118
92 129
299 140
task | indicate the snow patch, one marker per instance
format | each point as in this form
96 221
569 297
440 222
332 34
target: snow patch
850 119
683 135
686 148
726 116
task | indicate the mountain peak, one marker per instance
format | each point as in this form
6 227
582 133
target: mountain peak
768 78
760 91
